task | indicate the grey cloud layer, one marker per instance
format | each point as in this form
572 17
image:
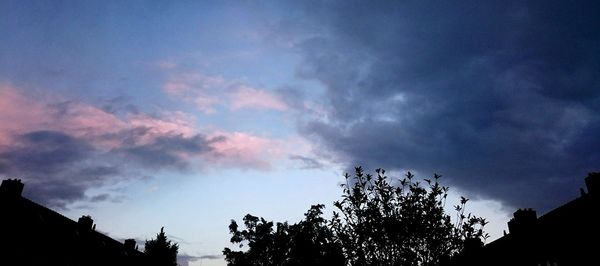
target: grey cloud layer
502 98
163 151
58 168
42 156
184 259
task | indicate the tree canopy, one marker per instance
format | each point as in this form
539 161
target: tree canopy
309 242
160 251
378 221
399 222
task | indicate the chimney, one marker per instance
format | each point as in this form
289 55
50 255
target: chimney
130 245
524 222
11 187
592 181
85 223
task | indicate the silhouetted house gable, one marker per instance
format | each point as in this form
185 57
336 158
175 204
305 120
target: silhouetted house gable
567 235
32 234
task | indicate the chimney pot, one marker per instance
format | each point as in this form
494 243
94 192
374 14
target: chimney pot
523 222
11 187
85 223
130 245
592 181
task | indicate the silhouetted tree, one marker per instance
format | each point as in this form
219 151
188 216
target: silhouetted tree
308 242
312 241
380 223
160 251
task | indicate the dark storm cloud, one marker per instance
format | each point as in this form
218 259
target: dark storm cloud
58 168
503 98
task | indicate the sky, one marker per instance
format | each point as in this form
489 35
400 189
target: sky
187 114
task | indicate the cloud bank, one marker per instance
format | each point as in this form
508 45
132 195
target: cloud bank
501 98
62 148
184 259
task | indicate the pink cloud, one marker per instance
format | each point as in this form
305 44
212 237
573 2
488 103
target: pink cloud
98 148
206 104
177 124
206 92
85 121
176 88
245 149
107 131
13 119
201 90
21 114
190 82
247 97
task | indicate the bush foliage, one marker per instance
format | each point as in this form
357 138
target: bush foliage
378 221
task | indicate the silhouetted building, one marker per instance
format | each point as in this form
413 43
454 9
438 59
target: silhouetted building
567 235
31 234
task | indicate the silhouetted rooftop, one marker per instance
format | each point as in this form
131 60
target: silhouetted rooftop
35 235
563 236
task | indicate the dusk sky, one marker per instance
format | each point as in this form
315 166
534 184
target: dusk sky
186 115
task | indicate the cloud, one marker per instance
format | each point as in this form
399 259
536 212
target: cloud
500 98
247 97
165 151
207 93
307 162
185 259
45 151
13 119
100 197
205 104
238 148
61 148
56 167
201 90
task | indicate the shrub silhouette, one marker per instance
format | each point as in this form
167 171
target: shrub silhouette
160 251
378 222
308 242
